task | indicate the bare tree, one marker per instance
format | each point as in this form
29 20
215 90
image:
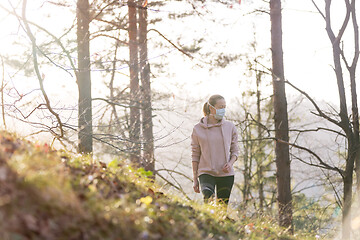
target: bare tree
134 84
146 108
281 118
260 155
85 137
2 92
350 127
39 76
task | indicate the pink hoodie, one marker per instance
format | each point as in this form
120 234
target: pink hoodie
213 145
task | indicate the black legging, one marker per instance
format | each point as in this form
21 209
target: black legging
223 187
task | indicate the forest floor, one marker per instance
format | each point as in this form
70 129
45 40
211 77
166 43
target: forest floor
52 194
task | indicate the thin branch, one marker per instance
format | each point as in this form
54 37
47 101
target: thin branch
27 116
258 11
337 197
324 164
115 103
170 183
346 20
318 9
320 112
356 36
174 171
37 70
309 163
316 130
169 41
327 166
108 36
57 40
102 9
2 91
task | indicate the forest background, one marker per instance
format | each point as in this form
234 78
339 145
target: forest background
195 49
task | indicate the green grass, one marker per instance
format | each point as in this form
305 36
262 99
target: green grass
48 194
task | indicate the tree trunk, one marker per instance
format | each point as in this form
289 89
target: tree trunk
259 157
355 109
281 119
246 172
347 197
134 132
146 108
83 78
354 159
351 133
2 92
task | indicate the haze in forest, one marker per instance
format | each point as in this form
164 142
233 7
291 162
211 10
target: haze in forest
223 43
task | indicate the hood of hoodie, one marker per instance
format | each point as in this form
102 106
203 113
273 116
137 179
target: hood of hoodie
204 123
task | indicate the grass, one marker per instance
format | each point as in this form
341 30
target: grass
52 194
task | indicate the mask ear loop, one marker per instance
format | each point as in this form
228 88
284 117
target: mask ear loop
209 107
210 104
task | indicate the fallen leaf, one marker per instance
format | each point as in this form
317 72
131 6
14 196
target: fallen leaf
146 200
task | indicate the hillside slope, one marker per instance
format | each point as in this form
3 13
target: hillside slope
49 194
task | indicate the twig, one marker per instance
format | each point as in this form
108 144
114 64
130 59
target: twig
37 70
169 41
2 92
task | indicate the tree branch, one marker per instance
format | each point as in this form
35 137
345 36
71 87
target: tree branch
169 41
320 112
37 70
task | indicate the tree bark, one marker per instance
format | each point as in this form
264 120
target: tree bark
83 78
146 108
247 172
347 197
259 159
134 85
351 133
2 92
355 109
281 119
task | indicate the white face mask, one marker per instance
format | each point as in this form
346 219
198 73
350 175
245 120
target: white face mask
220 113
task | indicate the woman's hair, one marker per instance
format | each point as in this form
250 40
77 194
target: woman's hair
212 100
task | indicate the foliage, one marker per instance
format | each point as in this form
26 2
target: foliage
309 215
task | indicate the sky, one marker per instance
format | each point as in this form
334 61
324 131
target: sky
307 50
225 29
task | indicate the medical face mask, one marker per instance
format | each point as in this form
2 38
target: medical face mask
220 113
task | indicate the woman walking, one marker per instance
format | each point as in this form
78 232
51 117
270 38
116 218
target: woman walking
214 143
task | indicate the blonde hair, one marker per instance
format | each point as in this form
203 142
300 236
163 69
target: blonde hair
212 100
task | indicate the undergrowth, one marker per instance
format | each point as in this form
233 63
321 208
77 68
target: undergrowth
52 194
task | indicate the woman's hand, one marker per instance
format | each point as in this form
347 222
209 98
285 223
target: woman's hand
196 185
227 167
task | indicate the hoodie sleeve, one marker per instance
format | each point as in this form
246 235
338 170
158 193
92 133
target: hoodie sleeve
195 147
234 148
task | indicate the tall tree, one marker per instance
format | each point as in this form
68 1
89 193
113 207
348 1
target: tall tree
260 156
83 78
146 108
349 126
255 116
281 118
134 84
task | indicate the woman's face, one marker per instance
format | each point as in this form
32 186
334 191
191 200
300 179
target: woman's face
220 103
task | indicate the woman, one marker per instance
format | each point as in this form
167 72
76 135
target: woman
214 151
